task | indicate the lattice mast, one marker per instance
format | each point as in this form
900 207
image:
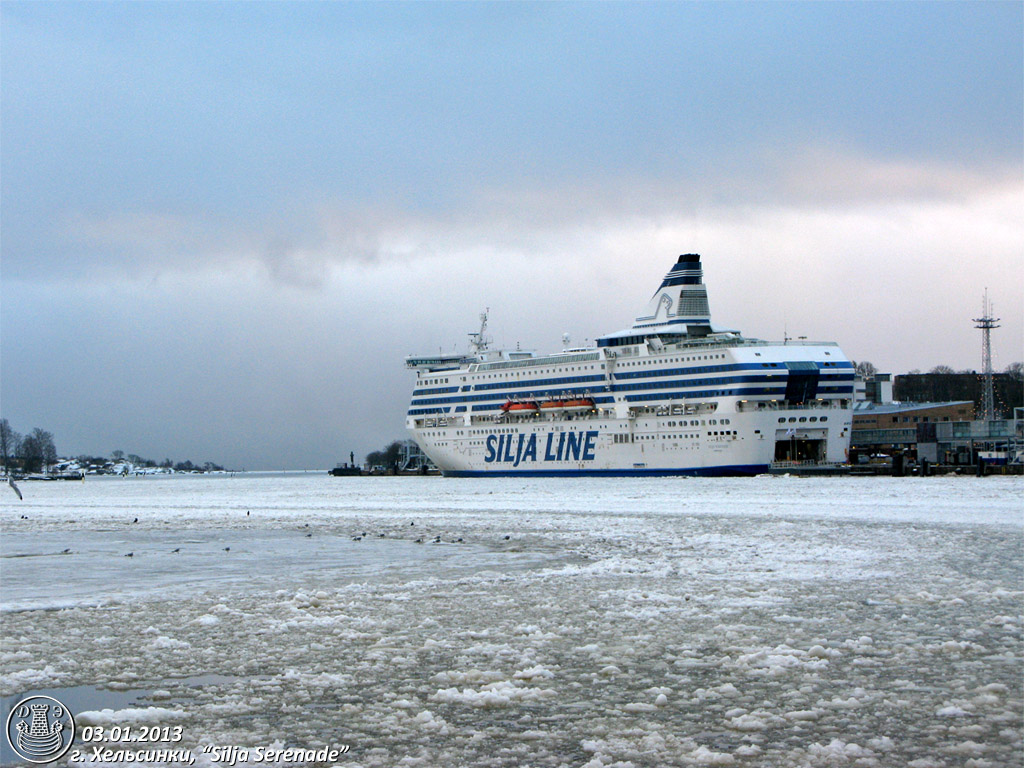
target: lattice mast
986 323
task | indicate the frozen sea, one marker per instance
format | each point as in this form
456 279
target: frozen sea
586 623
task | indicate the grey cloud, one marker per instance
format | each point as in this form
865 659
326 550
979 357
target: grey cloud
298 248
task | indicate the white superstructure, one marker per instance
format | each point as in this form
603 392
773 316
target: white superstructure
672 395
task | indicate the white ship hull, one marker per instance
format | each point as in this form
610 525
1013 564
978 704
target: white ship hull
657 445
671 396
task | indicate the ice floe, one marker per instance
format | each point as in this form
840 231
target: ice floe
626 623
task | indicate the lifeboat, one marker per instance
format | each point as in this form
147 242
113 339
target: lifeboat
552 406
519 408
579 405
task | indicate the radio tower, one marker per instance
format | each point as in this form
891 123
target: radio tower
986 323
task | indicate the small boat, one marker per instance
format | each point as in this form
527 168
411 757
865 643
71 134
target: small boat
345 470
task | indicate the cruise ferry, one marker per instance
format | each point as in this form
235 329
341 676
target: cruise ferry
674 394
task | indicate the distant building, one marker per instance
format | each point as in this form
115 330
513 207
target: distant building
868 415
1008 390
876 388
890 428
1000 441
930 416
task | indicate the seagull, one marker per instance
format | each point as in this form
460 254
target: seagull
17 490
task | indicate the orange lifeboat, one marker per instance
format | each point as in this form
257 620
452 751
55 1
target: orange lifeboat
552 406
519 408
579 405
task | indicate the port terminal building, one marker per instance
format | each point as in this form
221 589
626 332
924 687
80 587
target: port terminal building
944 434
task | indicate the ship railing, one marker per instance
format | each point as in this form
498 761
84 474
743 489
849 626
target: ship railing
537 417
434 421
589 356
672 410
744 406
745 342
794 464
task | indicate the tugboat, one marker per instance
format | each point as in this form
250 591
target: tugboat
347 470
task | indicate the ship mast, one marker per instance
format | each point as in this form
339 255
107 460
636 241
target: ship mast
477 341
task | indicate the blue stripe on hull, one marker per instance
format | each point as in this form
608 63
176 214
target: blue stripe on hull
726 471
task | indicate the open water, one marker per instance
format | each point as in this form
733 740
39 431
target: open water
551 622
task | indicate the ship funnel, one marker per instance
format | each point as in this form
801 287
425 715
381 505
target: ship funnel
679 308
681 300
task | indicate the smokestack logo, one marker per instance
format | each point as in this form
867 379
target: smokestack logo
40 729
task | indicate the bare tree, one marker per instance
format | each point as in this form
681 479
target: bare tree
37 450
49 448
942 369
864 369
10 442
393 455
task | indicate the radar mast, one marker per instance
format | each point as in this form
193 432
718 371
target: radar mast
477 341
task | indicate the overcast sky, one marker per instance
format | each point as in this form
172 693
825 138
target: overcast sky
224 225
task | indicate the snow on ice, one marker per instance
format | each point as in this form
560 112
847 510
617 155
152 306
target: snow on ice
677 622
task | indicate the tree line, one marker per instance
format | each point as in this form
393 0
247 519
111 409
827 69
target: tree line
36 451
